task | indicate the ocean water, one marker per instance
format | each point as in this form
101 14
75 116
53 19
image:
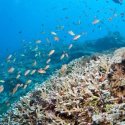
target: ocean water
99 23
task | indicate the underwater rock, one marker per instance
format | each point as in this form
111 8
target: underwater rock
118 1
119 55
111 41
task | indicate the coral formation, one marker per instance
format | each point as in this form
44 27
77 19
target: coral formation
84 92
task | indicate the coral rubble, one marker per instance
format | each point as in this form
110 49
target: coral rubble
84 92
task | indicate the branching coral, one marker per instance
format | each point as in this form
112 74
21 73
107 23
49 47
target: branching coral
92 93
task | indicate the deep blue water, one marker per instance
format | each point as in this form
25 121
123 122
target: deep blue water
24 21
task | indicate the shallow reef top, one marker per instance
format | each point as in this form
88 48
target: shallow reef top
87 91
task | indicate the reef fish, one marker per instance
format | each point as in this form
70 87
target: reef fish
63 69
76 37
48 61
11 70
70 46
9 57
18 76
15 89
38 41
56 38
1 88
41 71
46 67
71 33
51 52
62 56
54 33
27 72
33 72
96 21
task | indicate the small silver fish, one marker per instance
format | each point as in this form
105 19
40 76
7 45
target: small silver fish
51 52
33 71
48 61
46 67
70 46
27 72
53 33
96 21
71 33
18 76
9 57
62 56
76 37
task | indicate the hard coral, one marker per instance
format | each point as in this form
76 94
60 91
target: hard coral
91 93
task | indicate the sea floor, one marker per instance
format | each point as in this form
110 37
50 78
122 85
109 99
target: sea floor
87 91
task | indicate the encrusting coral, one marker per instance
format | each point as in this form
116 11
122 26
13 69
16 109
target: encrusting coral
84 92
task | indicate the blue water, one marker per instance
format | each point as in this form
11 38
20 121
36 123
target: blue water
29 16
24 21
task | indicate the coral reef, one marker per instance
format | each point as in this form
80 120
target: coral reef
84 92
36 54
